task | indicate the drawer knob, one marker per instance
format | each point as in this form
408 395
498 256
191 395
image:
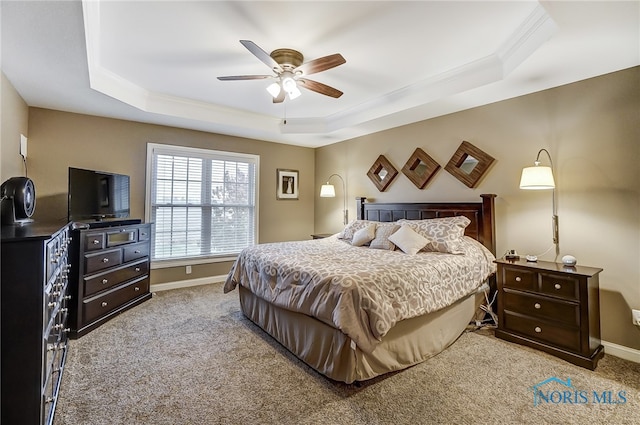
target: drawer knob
537 305
51 304
96 242
137 251
105 260
104 303
105 281
137 289
518 278
557 286
537 329
137 269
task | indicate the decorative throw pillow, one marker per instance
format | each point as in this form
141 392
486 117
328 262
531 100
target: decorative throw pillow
364 236
351 228
444 234
383 231
408 240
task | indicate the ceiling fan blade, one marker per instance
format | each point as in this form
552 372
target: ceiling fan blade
244 77
319 87
262 55
321 64
280 97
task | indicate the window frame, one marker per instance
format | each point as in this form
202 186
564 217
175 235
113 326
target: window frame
154 149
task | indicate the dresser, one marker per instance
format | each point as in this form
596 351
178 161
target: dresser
34 297
551 307
112 272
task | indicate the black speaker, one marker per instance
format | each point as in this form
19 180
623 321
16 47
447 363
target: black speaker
18 200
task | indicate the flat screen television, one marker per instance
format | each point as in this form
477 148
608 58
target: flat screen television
97 195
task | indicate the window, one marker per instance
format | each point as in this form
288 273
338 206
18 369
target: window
202 203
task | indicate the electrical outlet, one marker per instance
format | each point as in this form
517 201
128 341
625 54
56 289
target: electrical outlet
635 314
188 270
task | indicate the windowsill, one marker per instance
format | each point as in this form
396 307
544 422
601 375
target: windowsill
163 264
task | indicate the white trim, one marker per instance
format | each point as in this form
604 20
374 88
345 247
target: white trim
179 262
621 351
187 283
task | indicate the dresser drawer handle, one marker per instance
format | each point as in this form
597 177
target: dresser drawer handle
518 278
137 289
96 241
137 251
105 260
104 304
538 329
105 281
557 286
537 306
137 269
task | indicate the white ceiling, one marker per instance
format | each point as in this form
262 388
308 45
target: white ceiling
157 61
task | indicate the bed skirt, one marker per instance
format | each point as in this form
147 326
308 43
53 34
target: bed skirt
332 353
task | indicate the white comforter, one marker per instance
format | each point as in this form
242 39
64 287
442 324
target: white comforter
361 291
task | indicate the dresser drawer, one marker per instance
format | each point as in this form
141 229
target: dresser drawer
518 278
567 337
98 306
144 234
133 252
559 285
102 260
105 280
94 241
543 308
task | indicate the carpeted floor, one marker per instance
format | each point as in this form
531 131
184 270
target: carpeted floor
188 356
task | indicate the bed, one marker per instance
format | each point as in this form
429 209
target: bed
353 311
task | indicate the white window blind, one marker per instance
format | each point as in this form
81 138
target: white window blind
202 203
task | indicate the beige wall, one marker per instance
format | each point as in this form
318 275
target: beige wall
15 117
591 130
58 140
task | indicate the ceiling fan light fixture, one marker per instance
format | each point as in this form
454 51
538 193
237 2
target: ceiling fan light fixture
295 92
274 89
291 87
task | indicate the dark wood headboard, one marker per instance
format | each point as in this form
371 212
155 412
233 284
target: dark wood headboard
481 214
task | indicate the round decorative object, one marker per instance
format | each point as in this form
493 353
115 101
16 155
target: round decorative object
569 260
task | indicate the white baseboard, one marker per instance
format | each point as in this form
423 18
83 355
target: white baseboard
187 283
621 351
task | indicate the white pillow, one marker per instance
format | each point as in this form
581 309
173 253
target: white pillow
408 240
364 236
444 234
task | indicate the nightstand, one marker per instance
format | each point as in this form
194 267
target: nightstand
321 235
551 307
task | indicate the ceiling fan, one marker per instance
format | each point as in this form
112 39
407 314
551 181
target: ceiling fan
290 72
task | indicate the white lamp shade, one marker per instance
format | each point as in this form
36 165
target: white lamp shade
327 191
274 89
538 177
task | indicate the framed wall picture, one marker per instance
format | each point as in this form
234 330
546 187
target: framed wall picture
287 184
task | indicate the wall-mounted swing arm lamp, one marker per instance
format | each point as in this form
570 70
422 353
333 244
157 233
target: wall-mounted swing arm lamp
540 177
329 191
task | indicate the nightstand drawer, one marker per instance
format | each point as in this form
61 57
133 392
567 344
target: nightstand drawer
543 331
519 278
541 307
559 285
